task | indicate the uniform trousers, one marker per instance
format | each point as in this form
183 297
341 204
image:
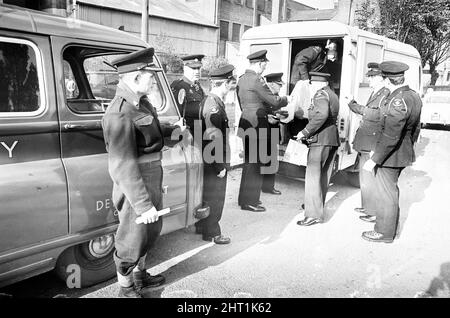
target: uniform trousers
251 179
133 241
367 186
318 173
387 195
269 178
214 190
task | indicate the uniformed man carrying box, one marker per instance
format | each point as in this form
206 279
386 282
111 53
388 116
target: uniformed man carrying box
256 101
322 137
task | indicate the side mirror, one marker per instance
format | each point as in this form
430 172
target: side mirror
181 96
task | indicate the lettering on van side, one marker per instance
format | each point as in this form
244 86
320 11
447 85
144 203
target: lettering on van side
105 205
8 148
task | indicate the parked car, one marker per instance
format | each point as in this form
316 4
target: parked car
55 191
436 108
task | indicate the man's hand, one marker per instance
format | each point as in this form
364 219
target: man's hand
369 165
151 216
180 123
348 99
273 120
299 136
222 173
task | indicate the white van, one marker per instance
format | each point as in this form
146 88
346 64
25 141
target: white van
356 49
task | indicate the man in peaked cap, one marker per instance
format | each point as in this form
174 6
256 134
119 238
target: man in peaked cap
132 131
394 149
187 90
275 82
322 138
256 101
216 153
367 136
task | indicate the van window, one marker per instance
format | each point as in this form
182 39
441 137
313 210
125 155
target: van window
21 88
374 53
274 51
91 81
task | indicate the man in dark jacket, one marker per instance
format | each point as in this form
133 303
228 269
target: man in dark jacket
256 101
187 90
216 153
394 149
134 138
367 136
322 137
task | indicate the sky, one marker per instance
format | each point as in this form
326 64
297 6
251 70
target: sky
320 4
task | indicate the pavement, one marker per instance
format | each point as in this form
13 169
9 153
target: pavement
271 256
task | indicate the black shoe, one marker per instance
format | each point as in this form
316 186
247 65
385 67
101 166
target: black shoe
219 239
360 210
309 221
369 218
272 191
253 208
373 236
129 292
144 280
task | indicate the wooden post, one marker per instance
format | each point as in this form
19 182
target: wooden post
144 22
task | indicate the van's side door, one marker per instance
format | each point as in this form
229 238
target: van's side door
33 196
87 86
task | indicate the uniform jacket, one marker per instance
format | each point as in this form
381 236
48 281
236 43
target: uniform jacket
215 125
257 101
131 129
400 128
311 59
322 115
370 127
194 95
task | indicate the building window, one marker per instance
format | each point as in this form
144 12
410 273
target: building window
224 27
249 3
448 76
236 32
21 80
261 5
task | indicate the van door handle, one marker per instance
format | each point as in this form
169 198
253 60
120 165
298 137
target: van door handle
85 126
73 126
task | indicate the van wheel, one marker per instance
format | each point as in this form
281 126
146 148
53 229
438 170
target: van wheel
352 177
93 260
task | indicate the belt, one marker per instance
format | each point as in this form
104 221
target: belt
151 159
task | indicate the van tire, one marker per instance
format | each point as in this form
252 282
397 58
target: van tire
92 270
352 178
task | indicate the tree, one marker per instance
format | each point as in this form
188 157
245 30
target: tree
422 23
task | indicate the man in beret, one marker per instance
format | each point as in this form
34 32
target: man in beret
216 152
394 149
256 101
132 132
322 137
275 82
187 90
367 136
